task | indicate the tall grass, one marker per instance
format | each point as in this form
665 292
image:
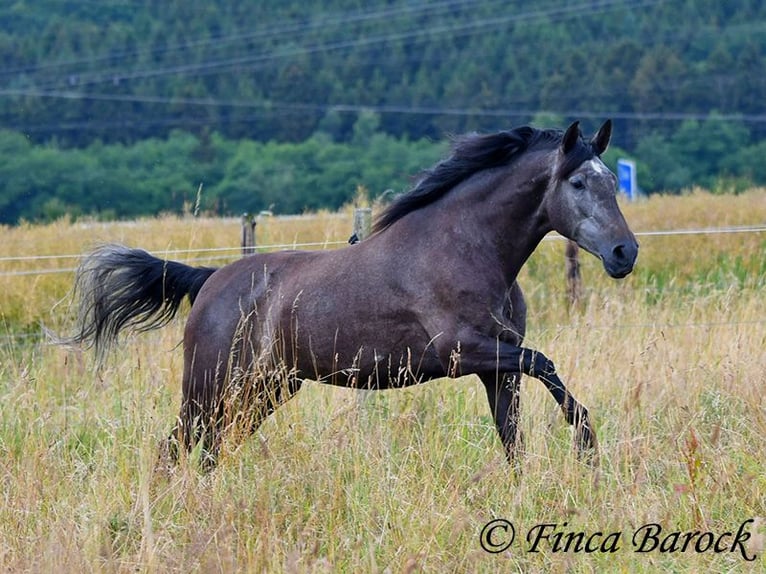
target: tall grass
670 362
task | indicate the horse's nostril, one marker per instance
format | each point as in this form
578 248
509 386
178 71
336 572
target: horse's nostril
619 252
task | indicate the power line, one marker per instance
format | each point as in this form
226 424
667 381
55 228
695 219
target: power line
263 59
419 35
382 109
220 66
281 31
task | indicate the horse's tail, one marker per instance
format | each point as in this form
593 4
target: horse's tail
119 287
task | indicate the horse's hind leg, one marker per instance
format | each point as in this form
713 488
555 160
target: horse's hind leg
504 390
200 420
255 398
229 401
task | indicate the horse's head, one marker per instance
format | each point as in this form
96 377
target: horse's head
581 201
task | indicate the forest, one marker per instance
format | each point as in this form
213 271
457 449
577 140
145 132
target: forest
129 107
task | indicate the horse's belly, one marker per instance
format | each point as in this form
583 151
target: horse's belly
369 367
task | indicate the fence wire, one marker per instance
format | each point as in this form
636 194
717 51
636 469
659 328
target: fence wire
219 253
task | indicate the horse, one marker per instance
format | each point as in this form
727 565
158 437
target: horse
430 294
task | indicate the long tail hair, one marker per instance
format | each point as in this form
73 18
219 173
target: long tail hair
120 287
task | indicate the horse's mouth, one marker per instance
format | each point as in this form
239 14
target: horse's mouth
619 274
620 267
618 261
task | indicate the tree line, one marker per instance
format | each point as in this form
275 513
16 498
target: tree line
88 84
185 172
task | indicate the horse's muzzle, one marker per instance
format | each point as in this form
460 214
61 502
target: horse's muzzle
619 261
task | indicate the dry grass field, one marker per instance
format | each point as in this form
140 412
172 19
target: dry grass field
671 362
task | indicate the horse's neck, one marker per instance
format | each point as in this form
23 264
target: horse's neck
502 215
521 238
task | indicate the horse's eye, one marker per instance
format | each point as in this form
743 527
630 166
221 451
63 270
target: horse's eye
577 182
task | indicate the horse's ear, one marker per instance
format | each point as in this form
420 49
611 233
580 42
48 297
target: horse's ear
571 136
601 140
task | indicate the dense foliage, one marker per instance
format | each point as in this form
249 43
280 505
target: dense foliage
343 92
186 173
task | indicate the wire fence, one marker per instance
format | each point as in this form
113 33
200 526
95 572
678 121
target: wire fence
235 252
218 254
225 253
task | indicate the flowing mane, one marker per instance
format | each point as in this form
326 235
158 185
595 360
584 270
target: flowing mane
473 153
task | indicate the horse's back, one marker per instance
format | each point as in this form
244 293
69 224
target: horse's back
240 290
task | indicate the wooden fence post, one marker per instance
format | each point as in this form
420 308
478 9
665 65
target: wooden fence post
362 224
362 228
248 234
574 279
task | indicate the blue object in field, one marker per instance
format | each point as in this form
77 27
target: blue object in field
626 175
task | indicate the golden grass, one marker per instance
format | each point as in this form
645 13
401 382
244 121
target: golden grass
670 362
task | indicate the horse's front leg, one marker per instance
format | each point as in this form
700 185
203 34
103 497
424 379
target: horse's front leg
486 357
537 365
503 396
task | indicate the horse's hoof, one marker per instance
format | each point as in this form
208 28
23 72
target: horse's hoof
586 445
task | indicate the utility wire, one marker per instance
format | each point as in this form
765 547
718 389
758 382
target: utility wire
284 32
417 35
263 59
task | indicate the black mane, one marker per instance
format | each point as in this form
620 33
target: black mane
473 153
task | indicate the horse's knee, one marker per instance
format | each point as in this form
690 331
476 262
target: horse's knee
537 365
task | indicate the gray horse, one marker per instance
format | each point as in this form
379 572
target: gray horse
431 293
